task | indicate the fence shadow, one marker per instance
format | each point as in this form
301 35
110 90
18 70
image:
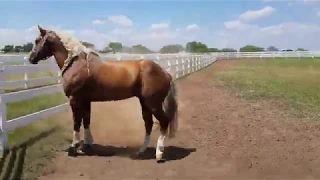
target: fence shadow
16 155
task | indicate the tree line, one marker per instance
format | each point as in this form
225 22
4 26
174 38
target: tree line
191 47
10 48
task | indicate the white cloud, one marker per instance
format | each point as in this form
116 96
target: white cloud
192 27
284 35
153 38
121 31
32 29
235 34
21 36
252 15
159 26
98 21
235 25
303 2
120 20
311 1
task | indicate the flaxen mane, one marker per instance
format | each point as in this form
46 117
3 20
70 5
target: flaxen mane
73 46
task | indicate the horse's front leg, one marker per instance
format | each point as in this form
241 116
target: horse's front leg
77 113
88 139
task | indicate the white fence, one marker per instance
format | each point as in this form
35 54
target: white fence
277 54
178 65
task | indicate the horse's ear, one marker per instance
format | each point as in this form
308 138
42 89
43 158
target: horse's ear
42 31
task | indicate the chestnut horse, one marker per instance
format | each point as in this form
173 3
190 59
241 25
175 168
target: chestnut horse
86 79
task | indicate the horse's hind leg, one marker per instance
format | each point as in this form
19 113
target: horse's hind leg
164 123
147 117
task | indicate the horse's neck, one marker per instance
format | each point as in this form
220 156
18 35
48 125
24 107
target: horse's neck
60 59
60 55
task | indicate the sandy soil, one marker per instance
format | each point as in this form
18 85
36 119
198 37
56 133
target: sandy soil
221 136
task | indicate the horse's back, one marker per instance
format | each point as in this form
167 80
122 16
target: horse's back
118 73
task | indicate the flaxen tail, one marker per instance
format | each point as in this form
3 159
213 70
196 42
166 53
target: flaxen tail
170 107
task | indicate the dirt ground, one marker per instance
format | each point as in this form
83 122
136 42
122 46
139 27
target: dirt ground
221 136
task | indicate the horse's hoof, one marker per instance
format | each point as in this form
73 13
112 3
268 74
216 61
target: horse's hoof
72 151
159 158
86 149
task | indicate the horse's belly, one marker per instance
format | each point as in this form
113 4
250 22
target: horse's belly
112 94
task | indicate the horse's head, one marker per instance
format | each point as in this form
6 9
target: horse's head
43 47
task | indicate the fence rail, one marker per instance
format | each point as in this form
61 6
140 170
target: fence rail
178 65
276 54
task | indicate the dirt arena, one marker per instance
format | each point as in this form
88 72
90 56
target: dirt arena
221 136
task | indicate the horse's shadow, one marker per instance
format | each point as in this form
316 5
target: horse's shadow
170 153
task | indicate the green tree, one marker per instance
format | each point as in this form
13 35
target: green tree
213 50
301 49
18 49
115 46
172 48
8 48
228 50
87 44
251 48
272 48
196 47
27 47
106 50
141 49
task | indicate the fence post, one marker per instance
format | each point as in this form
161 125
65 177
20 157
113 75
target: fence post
158 60
177 67
118 57
59 76
25 74
3 120
169 66
183 66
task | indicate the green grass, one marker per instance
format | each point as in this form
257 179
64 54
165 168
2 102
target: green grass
38 103
36 146
293 81
32 146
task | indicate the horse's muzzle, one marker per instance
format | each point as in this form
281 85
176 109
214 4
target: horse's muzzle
33 58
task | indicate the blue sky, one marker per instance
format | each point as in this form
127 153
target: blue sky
229 23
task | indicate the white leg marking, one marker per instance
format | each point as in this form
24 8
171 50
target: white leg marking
160 147
76 138
88 139
145 144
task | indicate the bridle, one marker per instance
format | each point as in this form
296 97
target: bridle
41 45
